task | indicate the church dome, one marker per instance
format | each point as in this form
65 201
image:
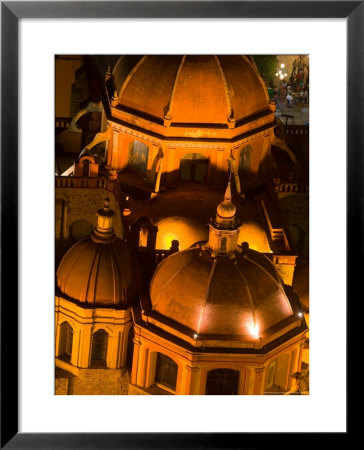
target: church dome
226 210
241 297
193 89
99 270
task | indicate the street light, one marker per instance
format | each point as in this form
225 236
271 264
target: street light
280 74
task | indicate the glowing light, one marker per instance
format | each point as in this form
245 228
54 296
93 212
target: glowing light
254 330
282 65
281 77
280 72
277 74
195 336
167 240
300 314
186 231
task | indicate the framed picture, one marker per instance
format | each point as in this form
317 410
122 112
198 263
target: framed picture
27 257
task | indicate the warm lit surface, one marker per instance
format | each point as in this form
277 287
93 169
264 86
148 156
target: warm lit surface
186 231
218 296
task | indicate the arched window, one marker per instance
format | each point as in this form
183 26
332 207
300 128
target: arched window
99 348
65 341
143 237
166 371
222 382
138 157
223 244
194 167
276 377
245 160
270 376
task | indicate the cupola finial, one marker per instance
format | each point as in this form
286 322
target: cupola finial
104 229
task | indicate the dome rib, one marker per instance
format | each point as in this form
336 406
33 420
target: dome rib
175 84
129 76
116 274
178 272
206 296
226 88
95 261
83 247
266 271
279 285
249 293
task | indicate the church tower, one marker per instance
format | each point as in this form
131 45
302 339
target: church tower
224 227
97 282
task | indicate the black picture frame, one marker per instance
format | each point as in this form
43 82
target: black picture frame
11 12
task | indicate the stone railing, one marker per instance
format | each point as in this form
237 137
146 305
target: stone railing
292 188
62 123
160 255
84 182
297 130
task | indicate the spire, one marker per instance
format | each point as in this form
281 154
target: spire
227 196
225 213
104 229
224 227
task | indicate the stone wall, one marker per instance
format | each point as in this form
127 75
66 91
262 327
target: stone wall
61 386
92 382
100 382
80 204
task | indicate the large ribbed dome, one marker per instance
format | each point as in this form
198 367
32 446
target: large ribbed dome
220 296
191 89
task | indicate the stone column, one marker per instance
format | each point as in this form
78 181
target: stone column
115 150
159 172
219 166
234 162
191 380
300 355
242 381
123 346
151 369
76 346
249 382
292 382
110 149
85 346
137 348
113 349
123 150
259 375
58 332
142 366
170 155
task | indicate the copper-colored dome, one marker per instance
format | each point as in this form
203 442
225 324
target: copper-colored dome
226 209
96 272
219 296
193 89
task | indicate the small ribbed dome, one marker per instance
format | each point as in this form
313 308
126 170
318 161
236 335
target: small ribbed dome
220 296
97 273
226 209
99 270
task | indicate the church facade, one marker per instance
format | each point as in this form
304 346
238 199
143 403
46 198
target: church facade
175 287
